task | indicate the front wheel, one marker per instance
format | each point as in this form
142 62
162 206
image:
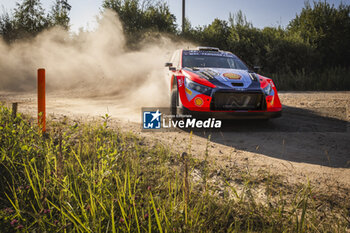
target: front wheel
173 101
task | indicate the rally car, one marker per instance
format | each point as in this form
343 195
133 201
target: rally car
207 81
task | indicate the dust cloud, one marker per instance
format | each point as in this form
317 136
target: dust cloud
90 65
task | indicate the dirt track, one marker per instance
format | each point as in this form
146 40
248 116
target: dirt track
311 141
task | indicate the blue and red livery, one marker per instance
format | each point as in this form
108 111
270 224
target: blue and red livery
207 81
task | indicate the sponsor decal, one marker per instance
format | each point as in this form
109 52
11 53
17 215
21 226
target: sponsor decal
181 82
152 119
188 91
198 101
232 76
206 53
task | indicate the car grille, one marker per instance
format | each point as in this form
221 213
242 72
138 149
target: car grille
226 101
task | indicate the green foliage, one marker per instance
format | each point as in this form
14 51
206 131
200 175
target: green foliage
59 14
315 43
336 79
7 27
326 29
216 33
239 20
139 17
29 19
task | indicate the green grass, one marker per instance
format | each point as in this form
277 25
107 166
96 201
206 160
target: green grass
332 79
86 177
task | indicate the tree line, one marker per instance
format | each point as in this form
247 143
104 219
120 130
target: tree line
311 53
29 19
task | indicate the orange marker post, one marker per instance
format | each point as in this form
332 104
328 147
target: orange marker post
41 100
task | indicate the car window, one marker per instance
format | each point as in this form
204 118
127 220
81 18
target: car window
213 61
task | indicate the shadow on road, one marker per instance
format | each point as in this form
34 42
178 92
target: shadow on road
313 136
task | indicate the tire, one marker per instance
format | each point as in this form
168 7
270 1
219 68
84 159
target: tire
264 119
174 100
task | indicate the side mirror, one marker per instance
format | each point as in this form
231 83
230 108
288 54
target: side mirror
168 64
256 69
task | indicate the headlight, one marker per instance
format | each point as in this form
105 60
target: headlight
196 86
268 89
254 76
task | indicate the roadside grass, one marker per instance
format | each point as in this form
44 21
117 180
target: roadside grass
332 79
86 177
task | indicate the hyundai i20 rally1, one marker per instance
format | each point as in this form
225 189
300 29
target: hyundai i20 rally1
209 82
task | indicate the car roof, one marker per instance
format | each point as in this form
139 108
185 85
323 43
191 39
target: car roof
207 51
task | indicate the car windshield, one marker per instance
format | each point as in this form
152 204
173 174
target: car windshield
213 61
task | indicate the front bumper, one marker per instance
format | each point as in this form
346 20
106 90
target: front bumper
227 103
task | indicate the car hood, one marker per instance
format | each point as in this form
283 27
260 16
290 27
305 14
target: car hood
227 78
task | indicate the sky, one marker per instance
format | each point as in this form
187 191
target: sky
261 13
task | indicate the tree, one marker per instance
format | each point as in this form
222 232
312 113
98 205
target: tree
216 34
7 27
137 16
59 14
327 29
158 17
130 13
29 18
239 20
